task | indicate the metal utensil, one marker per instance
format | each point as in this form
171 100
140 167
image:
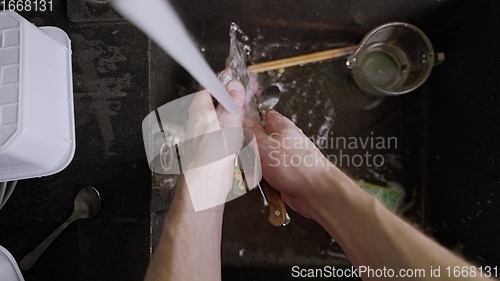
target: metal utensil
268 99
87 203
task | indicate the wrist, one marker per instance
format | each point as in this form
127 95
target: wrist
183 203
332 192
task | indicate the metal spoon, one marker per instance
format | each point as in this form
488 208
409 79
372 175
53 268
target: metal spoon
268 99
87 203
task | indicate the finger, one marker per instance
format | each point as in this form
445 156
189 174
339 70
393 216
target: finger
202 117
265 142
277 123
225 76
201 104
260 134
237 93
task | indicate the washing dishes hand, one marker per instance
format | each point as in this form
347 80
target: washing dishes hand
189 245
210 181
370 235
289 160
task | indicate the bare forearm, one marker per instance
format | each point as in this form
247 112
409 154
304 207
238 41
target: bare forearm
189 247
373 236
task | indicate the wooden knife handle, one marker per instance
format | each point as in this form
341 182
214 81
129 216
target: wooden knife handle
277 210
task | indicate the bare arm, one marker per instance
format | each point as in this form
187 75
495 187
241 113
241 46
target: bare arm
369 233
189 246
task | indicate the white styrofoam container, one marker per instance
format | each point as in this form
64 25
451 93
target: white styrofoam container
37 134
9 270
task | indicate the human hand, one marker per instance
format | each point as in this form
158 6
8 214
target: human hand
290 161
209 181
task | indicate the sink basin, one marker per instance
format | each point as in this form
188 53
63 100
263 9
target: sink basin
320 99
446 159
431 128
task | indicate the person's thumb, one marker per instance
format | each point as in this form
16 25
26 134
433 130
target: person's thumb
202 117
277 123
202 104
260 134
237 93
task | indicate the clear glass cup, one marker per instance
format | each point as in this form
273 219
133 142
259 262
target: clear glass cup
393 59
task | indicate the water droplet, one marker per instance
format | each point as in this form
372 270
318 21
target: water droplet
234 28
350 62
424 58
247 50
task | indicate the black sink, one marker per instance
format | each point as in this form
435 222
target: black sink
447 155
446 130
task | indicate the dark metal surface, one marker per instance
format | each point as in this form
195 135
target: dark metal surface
447 131
312 94
465 132
410 118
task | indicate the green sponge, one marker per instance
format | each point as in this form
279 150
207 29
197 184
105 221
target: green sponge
392 199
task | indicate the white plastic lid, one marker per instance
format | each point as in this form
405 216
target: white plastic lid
9 271
9 76
37 132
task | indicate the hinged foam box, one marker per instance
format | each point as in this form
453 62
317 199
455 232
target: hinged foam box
37 134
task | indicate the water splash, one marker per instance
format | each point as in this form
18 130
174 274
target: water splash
174 40
237 63
238 57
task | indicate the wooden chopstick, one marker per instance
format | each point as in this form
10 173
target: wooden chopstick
303 59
